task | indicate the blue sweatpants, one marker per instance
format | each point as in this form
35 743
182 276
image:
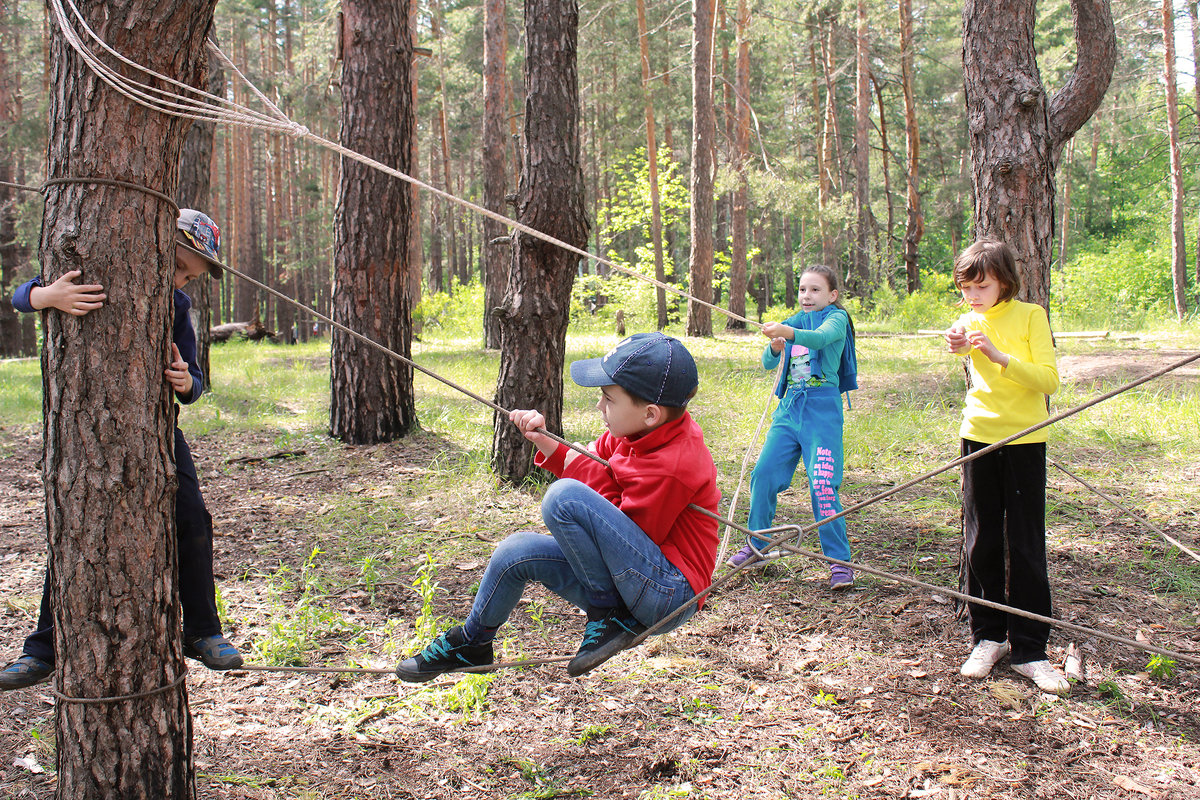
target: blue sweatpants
808 424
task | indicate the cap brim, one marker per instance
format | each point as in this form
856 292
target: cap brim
216 269
589 372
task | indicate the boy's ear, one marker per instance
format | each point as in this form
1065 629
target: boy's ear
654 414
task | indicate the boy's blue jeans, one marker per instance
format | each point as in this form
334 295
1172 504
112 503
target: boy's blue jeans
594 557
808 423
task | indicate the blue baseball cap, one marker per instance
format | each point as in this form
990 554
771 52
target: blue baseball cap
202 236
653 367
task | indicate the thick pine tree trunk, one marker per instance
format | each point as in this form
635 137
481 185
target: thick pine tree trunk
107 466
195 180
704 134
495 185
1016 132
550 198
372 394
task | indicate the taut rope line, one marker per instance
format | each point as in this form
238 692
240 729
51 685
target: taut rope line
1130 512
785 539
178 105
212 108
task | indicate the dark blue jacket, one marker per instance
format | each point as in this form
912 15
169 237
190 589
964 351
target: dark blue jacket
182 332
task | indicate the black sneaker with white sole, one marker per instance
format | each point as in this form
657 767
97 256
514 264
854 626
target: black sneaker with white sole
447 652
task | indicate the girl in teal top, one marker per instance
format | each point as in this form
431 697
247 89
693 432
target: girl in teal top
817 347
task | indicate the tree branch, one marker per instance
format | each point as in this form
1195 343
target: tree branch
1096 53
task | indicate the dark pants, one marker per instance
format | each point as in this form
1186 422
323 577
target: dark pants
197 590
1004 500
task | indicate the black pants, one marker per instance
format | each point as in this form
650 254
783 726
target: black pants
1004 500
197 590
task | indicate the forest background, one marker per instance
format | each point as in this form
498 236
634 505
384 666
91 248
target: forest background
276 200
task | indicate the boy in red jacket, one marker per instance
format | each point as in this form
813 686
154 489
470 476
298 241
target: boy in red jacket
624 544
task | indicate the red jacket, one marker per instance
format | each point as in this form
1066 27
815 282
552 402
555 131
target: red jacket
653 479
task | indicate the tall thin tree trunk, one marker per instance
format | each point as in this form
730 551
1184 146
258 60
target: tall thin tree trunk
495 257
1194 17
372 394
885 150
704 132
550 199
12 260
860 275
652 163
195 179
1065 226
1178 244
108 460
914 226
738 268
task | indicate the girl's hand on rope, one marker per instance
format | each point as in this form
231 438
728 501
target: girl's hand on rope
777 345
983 344
529 421
777 330
956 341
67 296
178 375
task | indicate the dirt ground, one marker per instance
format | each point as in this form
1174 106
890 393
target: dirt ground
777 689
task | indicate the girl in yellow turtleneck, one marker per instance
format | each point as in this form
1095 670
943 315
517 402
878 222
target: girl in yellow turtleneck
1004 492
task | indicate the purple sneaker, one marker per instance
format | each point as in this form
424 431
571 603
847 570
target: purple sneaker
841 578
747 553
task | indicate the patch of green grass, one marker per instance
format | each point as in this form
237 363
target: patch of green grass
20 391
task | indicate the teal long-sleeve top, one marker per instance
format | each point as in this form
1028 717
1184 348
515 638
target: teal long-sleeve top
821 331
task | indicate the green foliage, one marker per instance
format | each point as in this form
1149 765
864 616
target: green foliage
1161 667
428 624
1120 284
592 733
298 624
442 315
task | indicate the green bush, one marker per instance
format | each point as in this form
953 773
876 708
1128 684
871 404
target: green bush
1120 285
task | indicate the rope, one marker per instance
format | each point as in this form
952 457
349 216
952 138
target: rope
99 181
204 106
1131 513
724 548
120 698
499 665
179 105
111 182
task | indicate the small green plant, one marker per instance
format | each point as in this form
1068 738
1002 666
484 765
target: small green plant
369 573
1161 667
591 732
427 624
824 699
1114 696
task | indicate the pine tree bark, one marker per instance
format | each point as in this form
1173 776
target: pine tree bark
1194 18
550 198
1016 132
372 394
108 463
1178 244
496 258
704 134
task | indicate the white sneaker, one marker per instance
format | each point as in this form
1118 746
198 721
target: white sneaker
1047 677
983 658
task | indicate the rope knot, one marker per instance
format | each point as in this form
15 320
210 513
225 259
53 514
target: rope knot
298 130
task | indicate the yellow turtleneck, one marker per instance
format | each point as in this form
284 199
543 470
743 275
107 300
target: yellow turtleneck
1004 401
